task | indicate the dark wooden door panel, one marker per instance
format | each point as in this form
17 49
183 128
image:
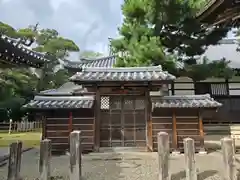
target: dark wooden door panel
124 123
116 133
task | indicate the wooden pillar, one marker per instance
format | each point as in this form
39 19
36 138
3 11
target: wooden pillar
148 119
190 160
163 155
229 160
173 88
75 156
44 126
201 132
45 159
70 123
174 132
227 87
97 120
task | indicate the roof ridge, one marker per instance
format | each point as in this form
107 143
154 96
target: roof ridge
97 59
198 96
17 43
122 69
61 98
90 60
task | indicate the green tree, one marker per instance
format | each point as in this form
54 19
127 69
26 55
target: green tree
90 55
18 84
153 29
8 30
56 48
237 35
214 68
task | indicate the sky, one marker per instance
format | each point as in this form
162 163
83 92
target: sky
89 23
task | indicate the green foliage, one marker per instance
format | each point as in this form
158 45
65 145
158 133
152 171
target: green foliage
8 30
19 85
215 68
153 29
45 35
143 52
26 33
90 55
48 41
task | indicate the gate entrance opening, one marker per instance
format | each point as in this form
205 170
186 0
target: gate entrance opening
123 121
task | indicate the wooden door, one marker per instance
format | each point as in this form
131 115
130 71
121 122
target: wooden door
134 123
123 124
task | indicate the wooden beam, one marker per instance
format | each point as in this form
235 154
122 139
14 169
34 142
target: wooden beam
70 123
225 14
209 9
97 120
44 126
201 131
174 131
236 17
148 118
228 14
229 18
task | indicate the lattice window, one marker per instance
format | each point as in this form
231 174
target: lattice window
104 102
115 103
128 104
139 104
219 89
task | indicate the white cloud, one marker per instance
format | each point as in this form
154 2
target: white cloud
89 23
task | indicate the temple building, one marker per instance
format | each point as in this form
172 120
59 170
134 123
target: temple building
14 53
220 12
120 107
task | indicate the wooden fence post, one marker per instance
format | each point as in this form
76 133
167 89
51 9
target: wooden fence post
228 158
14 164
10 126
189 152
45 158
19 159
75 155
163 155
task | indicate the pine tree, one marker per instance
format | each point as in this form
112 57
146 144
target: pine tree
154 31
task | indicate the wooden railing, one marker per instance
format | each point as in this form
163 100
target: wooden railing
23 126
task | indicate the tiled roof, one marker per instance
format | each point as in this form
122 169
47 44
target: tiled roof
99 62
69 102
16 53
67 88
154 73
187 101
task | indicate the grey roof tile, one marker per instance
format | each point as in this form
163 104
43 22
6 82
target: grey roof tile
186 101
154 73
53 102
67 88
20 53
108 61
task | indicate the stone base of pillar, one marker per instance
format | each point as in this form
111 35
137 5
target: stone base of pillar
175 152
202 151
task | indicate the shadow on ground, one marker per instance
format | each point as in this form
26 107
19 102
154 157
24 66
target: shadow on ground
201 176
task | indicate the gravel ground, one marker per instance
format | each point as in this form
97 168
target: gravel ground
121 166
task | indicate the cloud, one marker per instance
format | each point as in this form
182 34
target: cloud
89 23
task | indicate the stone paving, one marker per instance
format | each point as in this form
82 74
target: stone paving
4 151
121 166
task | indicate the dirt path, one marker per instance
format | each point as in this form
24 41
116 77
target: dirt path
122 166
